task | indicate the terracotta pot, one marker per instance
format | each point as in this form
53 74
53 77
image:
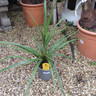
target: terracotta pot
87 42
36 10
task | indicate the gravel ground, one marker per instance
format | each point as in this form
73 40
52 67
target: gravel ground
78 78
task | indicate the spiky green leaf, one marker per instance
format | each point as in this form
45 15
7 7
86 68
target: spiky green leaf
14 65
33 74
59 81
28 49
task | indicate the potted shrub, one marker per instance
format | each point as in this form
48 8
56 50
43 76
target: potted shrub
87 30
35 7
44 52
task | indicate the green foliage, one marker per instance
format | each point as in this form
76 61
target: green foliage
85 6
68 23
92 63
46 51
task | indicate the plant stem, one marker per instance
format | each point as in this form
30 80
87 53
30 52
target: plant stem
85 6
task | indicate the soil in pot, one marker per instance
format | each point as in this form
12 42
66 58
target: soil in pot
88 17
32 1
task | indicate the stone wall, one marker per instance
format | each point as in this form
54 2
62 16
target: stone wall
5 23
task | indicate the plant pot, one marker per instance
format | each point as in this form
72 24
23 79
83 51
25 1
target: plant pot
87 42
36 10
44 74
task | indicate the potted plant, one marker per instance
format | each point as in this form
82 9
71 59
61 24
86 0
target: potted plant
87 30
44 52
35 7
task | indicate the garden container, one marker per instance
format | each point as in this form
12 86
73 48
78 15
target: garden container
36 10
87 42
44 74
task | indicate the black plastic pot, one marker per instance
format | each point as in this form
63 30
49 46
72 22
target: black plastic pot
71 4
44 74
95 6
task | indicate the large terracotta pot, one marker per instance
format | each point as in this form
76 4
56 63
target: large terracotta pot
36 10
87 42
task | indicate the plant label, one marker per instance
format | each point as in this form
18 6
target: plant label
45 66
46 72
81 41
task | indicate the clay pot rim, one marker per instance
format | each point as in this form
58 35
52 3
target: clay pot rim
84 30
29 5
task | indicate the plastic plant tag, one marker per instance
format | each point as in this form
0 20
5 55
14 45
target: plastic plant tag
81 41
45 66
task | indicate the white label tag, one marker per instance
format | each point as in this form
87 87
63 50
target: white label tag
46 72
81 41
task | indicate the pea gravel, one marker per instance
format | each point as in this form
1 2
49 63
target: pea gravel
78 78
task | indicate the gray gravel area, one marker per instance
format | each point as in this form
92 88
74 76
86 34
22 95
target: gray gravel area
78 78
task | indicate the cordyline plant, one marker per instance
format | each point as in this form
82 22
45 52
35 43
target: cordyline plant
46 51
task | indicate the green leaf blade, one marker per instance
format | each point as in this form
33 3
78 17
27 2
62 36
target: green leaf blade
17 64
33 74
14 65
24 48
61 87
50 63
